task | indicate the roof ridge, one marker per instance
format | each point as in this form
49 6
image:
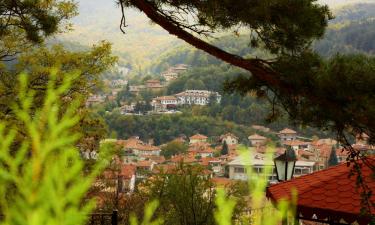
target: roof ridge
318 181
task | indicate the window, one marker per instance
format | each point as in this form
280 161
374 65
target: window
239 170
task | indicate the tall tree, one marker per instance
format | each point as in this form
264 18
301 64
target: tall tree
333 160
39 63
224 148
26 22
173 148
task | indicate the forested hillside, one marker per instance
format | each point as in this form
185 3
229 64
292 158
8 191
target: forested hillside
98 20
352 30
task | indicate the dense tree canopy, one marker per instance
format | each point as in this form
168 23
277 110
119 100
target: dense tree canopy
25 22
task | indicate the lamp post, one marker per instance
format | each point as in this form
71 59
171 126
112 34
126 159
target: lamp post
285 164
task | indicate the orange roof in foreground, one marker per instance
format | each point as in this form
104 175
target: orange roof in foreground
328 192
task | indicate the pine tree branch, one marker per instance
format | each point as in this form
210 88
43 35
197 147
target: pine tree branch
258 67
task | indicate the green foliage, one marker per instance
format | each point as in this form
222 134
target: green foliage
224 149
148 214
225 207
164 128
173 148
87 65
186 196
23 23
43 179
291 154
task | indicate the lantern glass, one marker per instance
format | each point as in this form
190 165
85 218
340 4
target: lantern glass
280 169
285 166
290 169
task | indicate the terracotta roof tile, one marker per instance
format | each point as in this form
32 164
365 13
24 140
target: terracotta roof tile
328 192
198 137
287 131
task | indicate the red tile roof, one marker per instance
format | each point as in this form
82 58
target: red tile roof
127 171
287 131
198 137
295 143
228 135
256 137
135 143
329 192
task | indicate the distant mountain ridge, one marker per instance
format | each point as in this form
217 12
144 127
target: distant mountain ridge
143 42
100 19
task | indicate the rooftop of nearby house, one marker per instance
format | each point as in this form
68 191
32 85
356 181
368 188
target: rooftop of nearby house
228 135
183 158
208 160
256 137
144 163
287 131
197 93
328 192
324 151
136 143
164 98
198 137
296 143
128 170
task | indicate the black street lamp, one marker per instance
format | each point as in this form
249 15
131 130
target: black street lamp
285 164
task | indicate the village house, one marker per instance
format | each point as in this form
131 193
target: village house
164 103
229 138
322 153
297 145
197 138
154 85
94 100
169 75
214 164
287 135
363 146
197 97
257 140
144 168
173 72
238 167
124 109
134 146
135 89
200 149
127 178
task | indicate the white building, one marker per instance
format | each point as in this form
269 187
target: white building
162 103
197 97
229 138
238 167
287 134
257 140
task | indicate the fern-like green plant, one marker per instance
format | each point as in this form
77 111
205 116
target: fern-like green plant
43 178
